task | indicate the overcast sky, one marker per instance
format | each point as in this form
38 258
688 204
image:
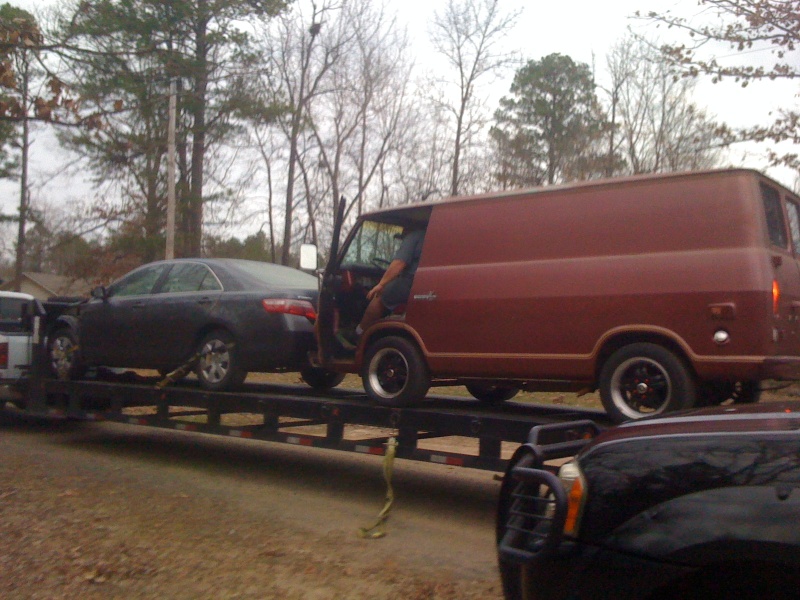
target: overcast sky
584 30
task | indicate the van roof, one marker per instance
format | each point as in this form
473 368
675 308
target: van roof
420 212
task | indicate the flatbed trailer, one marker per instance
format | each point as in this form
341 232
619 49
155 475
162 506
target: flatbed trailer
446 430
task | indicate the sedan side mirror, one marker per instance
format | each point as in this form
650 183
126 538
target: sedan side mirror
99 292
308 257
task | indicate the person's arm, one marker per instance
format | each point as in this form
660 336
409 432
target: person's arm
393 271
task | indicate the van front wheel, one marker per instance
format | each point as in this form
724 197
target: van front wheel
645 379
395 373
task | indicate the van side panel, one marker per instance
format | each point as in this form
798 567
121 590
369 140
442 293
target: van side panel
541 280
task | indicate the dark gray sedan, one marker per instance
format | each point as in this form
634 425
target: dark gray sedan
224 316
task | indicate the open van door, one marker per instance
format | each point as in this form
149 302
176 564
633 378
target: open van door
326 310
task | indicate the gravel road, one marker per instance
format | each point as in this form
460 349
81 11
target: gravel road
108 511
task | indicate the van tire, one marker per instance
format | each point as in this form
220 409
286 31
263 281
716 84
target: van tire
394 372
491 394
746 392
645 379
714 393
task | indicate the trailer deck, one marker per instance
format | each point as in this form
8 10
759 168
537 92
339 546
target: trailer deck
446 430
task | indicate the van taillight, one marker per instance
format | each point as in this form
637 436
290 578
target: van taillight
3 355
288 306
776 296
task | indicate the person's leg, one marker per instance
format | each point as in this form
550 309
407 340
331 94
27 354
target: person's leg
375 311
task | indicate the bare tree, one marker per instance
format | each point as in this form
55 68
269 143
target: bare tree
468 34
660 128
342 82
769 27
301 51
356 125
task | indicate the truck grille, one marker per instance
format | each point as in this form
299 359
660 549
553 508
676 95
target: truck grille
535 520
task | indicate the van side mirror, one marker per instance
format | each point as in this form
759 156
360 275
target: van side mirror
308 257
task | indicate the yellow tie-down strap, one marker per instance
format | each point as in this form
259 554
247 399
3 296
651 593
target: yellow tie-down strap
378 530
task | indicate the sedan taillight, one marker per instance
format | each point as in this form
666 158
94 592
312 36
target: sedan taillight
289 306
3 355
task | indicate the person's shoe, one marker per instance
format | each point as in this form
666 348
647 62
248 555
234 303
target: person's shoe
348 339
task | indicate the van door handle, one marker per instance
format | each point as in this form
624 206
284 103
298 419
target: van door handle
430 296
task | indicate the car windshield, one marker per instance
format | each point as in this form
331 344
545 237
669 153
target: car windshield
276 276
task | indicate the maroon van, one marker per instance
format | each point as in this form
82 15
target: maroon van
663 291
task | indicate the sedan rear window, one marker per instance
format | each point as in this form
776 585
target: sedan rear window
190 277
276 276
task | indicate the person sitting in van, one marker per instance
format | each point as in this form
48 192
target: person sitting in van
394 287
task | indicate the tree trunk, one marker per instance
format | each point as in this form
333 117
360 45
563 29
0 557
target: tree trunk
195 233
23 192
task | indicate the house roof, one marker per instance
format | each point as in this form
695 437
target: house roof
54 285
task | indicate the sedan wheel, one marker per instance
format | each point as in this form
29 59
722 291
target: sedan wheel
63 355
218 366
321 379
490 393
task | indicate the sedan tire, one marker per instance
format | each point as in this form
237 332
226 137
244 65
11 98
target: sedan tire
321 379
63 354
491 393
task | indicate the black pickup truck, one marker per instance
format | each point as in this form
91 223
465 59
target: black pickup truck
703 504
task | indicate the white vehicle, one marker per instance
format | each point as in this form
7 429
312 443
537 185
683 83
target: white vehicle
15 341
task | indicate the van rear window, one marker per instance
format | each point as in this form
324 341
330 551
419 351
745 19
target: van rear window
774 212
794 224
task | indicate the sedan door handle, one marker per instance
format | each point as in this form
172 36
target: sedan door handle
138 305
205 300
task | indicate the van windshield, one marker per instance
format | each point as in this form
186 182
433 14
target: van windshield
373 243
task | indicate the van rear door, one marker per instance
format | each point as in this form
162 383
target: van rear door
786 270
793 214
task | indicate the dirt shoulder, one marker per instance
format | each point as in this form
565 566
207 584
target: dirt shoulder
112 511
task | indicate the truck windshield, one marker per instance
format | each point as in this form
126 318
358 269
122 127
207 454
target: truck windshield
373 243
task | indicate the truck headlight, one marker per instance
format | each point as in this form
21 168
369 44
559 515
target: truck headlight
574 483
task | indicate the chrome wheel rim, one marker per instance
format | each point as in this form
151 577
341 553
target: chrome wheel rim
215 361
388 373
61 355
640 387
